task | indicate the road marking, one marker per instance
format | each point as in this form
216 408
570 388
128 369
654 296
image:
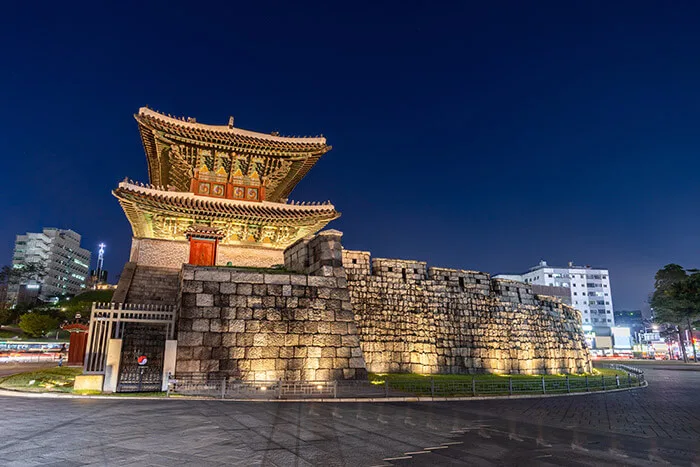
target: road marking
435 447
515 437
451 443
415 452
397 458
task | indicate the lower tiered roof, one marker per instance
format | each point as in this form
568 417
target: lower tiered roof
161 214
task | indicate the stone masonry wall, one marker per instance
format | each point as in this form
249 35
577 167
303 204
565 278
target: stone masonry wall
270 325
433 320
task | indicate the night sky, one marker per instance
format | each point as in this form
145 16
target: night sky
482 135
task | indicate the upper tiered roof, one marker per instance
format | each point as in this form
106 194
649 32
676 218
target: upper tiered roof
176 147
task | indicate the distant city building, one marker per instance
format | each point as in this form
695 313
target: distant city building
65 264
589 289
630 319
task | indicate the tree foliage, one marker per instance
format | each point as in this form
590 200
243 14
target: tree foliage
37 324
676 298
21 273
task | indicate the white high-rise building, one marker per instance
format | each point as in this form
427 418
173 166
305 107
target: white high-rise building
66 265
589 288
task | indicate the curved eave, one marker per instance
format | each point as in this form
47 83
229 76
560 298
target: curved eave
192 206
229 138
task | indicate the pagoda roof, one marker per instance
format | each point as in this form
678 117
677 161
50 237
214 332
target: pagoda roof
145 204
158 132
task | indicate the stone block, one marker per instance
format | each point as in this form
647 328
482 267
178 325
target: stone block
192 286
280 279
244 313
216 275
320 281
296 279
204 299
228 288
190 339
200 325
262 364
236 325
247 277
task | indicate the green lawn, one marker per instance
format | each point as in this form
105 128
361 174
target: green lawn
380 377
59 379
492 385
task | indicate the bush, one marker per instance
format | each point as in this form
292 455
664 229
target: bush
36 324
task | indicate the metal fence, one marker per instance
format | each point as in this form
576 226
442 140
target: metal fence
233 388
107 322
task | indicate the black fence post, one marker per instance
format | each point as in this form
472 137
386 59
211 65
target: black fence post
544 388
473 386
617 380
386 388
588 389
629 380
602 378
510 385
432 386
568 385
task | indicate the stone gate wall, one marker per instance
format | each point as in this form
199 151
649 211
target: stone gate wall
293 324
412 318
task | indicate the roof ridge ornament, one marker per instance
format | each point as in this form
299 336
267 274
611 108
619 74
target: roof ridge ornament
230 121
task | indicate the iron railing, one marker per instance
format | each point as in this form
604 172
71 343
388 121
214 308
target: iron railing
107 322
233 388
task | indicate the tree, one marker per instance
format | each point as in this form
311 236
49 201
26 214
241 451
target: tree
37 324
676 300
16 274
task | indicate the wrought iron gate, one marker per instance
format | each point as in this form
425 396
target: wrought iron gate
142 342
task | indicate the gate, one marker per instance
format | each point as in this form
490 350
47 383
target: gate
141 367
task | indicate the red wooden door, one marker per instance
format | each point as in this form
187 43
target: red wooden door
76 349
202 252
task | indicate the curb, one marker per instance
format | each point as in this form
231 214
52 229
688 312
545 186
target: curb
54 395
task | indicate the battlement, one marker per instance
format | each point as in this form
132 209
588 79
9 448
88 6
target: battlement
405 270
316 255
513 291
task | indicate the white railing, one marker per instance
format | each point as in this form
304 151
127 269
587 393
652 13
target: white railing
107 322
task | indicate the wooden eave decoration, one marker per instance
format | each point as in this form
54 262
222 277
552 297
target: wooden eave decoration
189 205
205 231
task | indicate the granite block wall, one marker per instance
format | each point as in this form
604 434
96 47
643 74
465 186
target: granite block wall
270 325
435 320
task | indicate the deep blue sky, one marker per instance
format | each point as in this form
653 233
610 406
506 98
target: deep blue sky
478 135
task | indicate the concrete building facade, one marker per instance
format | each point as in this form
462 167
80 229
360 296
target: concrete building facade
589 289
66 264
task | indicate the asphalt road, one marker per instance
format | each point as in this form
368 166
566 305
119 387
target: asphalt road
653 426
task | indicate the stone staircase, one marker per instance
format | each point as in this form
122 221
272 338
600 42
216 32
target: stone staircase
152 285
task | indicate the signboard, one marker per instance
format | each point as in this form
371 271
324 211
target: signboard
621 338
651 337
143 360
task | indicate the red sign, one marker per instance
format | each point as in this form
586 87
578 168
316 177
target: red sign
142 360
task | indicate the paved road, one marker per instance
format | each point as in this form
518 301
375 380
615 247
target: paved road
653 426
